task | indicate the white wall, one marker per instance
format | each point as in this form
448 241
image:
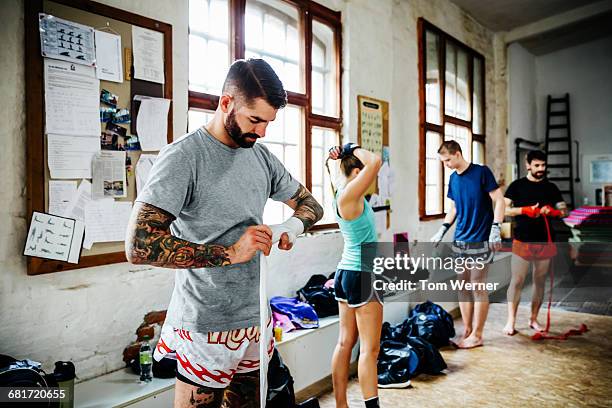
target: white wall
521 97
90 315
584 72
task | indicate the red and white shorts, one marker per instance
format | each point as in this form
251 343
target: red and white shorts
212 359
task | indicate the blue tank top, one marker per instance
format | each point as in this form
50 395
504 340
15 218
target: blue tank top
355 232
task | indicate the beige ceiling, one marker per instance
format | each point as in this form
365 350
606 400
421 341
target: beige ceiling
505 15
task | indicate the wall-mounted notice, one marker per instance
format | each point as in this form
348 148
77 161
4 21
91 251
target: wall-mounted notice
72 94
371 119
65 40
109 66
53 237
148 50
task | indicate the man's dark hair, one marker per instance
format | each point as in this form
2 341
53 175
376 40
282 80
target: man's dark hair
254 78
450 146
536 155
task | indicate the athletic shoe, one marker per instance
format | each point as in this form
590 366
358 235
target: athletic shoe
388 380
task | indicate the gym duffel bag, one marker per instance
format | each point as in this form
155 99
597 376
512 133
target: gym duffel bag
432 323
319 296
430 359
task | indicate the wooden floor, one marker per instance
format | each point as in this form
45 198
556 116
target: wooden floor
515 371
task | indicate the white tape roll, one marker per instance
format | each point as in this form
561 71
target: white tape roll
265 335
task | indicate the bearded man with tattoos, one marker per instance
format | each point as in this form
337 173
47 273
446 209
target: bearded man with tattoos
200 213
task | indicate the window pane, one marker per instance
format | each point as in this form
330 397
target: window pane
463 96
293 43
323 140
208 45
432 144
274 34
208 65
276 129
218 18
324 53
294 128
292 161
432 200
197 118
479 153
457 102
318 104
198 15
291 73
433 169
209 18
284 139
253 25
432 85
478 124
271 32
318 56
446 199
451 82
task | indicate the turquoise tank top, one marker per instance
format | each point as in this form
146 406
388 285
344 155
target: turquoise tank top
355 232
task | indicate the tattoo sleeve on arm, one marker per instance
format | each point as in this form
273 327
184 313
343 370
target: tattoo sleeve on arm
149 242
307 210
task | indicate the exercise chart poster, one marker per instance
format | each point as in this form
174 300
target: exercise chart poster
371 121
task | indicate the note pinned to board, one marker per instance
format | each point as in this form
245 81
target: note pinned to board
148 51
72 94
53 237
61 193
66 40
152 122
109 65
109 175
107 220
76 208
143 168
69 157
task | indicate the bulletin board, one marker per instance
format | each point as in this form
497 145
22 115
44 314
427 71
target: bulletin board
104 18
373 127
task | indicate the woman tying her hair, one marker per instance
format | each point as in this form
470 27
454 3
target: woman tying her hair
360 305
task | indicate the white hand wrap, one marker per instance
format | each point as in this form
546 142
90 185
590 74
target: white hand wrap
440 234
495 235
293 227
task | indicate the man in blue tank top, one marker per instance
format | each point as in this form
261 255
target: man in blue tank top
477 204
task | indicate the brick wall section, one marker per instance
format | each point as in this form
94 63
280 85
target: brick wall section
155 317
152 323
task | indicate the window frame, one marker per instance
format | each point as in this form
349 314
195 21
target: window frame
422 27
307 11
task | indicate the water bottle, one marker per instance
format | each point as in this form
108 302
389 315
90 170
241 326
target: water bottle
146 360
64 374
278 332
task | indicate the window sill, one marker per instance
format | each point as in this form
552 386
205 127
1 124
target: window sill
431 217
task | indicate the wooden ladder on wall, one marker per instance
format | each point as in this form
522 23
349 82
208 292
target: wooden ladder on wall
559 146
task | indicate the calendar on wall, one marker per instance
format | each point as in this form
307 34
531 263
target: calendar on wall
373 128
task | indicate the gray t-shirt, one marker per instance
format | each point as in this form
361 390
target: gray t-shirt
215 192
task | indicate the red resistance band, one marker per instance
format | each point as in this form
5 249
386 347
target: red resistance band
544 335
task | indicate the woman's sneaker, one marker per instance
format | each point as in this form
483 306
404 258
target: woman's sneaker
388 380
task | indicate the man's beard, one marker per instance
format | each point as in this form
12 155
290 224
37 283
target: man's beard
538 175
233 130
